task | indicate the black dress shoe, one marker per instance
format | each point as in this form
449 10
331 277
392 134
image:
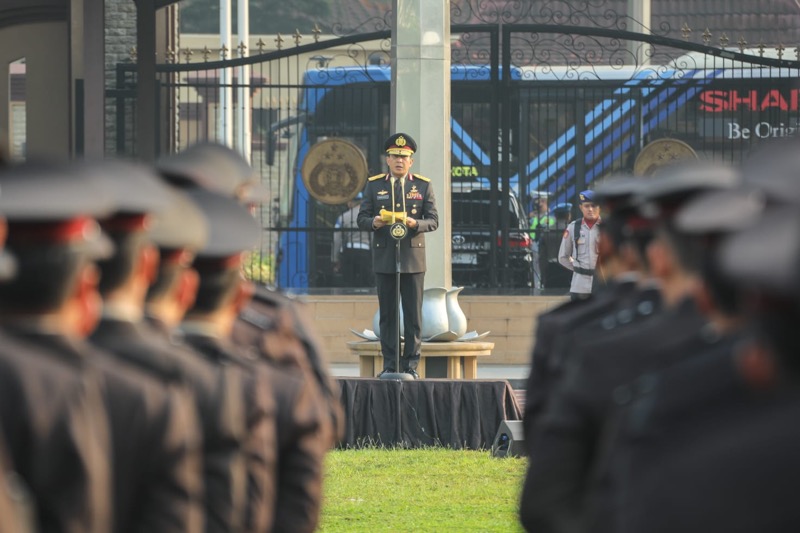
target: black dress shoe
411 372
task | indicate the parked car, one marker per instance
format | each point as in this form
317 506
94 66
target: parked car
478 254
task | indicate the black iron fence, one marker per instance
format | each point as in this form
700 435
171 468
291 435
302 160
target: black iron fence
535 108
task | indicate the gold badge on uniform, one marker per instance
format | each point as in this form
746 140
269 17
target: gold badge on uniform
413 194
401 141
381 193
413 211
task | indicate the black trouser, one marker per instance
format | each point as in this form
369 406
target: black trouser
411 286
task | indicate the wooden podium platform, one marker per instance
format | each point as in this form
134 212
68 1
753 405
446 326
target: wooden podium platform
461 357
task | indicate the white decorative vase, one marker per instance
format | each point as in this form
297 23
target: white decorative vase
434 321
457 320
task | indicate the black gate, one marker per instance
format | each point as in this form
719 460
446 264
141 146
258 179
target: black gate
536 108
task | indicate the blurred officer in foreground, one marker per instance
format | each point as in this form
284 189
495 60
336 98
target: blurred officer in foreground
169 496
16 507
712 442
207 328
210 388
567 443
622 234
698 227
51 409
295 460
718 438
179 231
578 251
278 326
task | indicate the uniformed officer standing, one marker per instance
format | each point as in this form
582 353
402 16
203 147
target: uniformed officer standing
566 443
623 233
273 323
578 251
541 221
399 191
51 411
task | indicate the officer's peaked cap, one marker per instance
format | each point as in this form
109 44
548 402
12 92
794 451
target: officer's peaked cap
215 167
400 144
766 256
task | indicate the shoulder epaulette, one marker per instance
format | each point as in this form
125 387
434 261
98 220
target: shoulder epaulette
377 177
423 178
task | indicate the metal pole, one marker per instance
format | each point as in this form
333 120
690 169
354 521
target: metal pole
243 114
224 111
640 15
146 80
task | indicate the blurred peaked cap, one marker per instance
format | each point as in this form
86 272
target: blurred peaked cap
41 191
724 211
586 196
536 195
232 229
619 190
564 207
684 179
181 225
134 188
775 169
673 185
215 167
400 144
767 255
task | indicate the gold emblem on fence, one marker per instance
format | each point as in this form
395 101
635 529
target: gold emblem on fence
334 171
662 152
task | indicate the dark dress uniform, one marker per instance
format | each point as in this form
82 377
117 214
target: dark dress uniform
296 420
260 443
282 332
16 507
56 435
567 441
414 195
696 448
218 404
557 328
155 445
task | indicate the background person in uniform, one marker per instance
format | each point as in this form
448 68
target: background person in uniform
350 251
578 251
399 191
540 222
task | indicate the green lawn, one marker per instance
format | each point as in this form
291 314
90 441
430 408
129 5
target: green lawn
433 489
